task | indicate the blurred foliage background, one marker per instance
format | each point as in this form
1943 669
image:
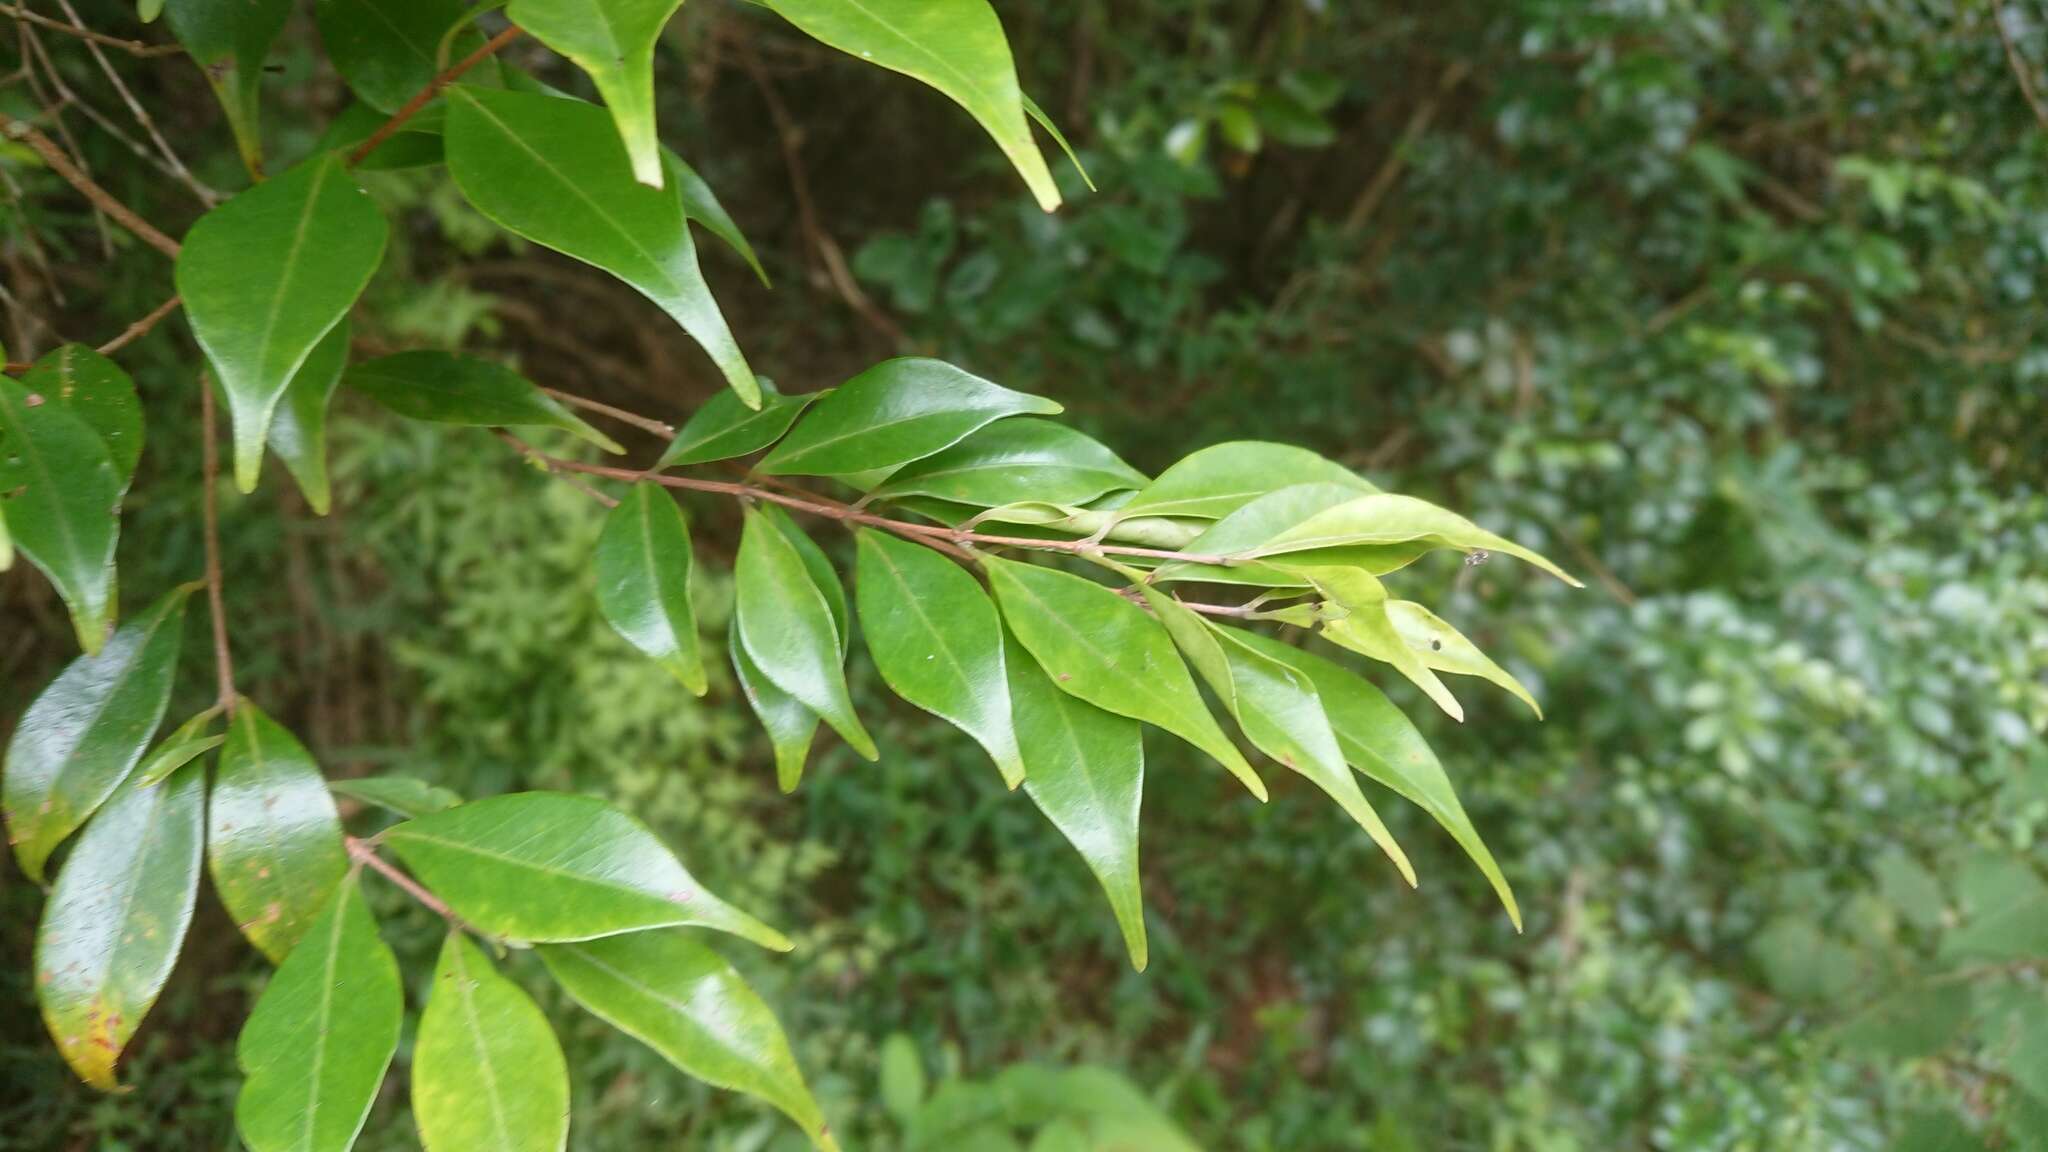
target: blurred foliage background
1730 307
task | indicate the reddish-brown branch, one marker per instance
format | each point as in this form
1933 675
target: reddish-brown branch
547 465
209 467
421 98
73 175
363 853
132 47
128 335
644 423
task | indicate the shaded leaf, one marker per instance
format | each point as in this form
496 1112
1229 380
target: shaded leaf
96 390
789 724
60 491
450 389
1013 460
229 39
701 204
298 432
186 743
788 629
273 838
895 412
385 50
401 794
643 581
487 1071
613 41
417 144
1222 478
724 428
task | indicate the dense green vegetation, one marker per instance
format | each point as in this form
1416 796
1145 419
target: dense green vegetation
1730 309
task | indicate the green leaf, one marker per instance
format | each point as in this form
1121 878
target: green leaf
937 641
902 1081
1910 888
1384 518
553 866
1383 744
84 733
111 931
298 432
187 743
401 794
956 46
1446 649
669 991
1914 1022
1045 122
1356 616
386 50
1106 650
449 389
790 725
724 428
2004 906
643 581
787 628
552 170
265 276
1013 460
94 389
417 144
1222 478
273 838
613 41
314 1051
898 411
60 491
1265 517
487 1071
701 204
228 39
1085 769
820 568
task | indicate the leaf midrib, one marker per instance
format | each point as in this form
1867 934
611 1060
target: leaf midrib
474 1027
403 834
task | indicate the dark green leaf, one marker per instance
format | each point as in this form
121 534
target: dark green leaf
724 428
701 204
298 432
60 491
187 743
613 41
487 1071
1014 460
229 39
415 145
401 794
450 389
273 839
94 389
385 49
1220 479
898 411
643 581
787 628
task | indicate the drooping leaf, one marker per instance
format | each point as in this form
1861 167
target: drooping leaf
613 41
895 412
1446 649
819 565
1384 744
1013 460
724 428
404 795
96 390
487 1071
787 628
84 733
1222 478
937 641
316 1046
789 724
671 992
701 204
643 581
1106 650
554 866
188 742
228 39
113 925
60 491
447 388
956 46
553 170
1085 769
273 838
1385 518
265 276
298 432
1356 616
385 49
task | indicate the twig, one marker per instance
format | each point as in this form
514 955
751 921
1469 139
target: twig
129 335
2019 66
363 853
101 199
547 465
1390 169
175 164
209 448
644 423
421 98
132 47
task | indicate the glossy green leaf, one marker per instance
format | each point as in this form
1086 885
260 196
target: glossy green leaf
1108 651
1013 460
554 866
823 575
1222 478
1446 649
724 428
84 733
1356 616
229 39
674 994
789 724
956 46
787 628
385 50
487 1071
265 276
937 641
643 581
401 794
273 838
553 170
96 390
613 41
60 491
1385 518
446 388
298 432
895 412
1052 129
1085 769
1265 517
314 1051
188 742
113 925
701 204
1383 744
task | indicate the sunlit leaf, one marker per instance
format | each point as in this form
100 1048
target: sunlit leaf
1356 616
446 388
613 41
60 491
895 412
1222 478
1265 517
643 581
487 1071
273 838
787 628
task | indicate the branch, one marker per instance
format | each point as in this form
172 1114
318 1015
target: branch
2019 66
101 199
364 853
644 423
132 47
129 335
209 447
421 98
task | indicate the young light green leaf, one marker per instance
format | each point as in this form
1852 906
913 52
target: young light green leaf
385 50
1085 769
674 994
956 46
487 1071
937 641
1044 121
265 276
187 743
84 733
552 170
789 724
554 866
113 925
401 794
1355 616
1108 651
724 428
273 838
61 494
701 204
895 412
1383 744
787 628
1222 478
1446 649
613 41
96 390
1261 519
228 40
298 432
1385 518
1014 460
643 581
314 1051
450 389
